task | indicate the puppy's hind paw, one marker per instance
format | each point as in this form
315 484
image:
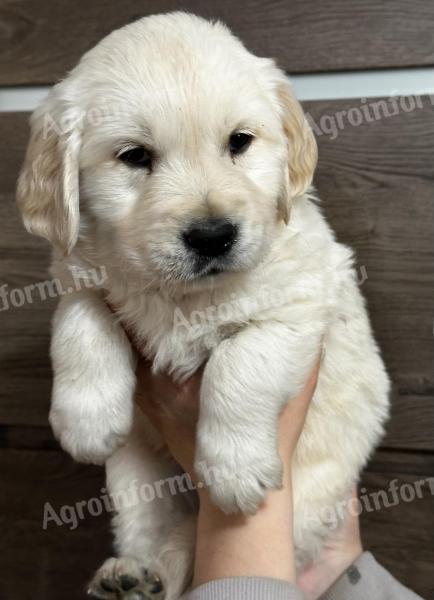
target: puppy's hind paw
125 579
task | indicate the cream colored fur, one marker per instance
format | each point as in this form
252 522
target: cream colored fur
181 86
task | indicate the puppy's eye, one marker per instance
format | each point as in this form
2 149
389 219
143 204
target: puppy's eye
136 157
239 142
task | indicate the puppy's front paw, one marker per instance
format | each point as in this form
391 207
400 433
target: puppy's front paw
88 426
237 472
88 438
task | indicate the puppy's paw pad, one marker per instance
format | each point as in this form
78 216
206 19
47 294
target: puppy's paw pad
126 579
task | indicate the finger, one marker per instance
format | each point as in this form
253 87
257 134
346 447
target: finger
301 402
144 371
312 380
167 402
149 409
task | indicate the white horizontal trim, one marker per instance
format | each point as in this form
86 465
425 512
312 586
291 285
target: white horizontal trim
320 86
19 99
364 84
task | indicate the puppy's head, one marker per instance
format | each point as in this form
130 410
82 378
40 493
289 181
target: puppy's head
170 149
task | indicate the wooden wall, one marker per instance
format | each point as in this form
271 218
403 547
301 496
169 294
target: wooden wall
376 182
42 40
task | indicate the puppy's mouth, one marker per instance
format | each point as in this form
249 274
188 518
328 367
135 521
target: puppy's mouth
209 269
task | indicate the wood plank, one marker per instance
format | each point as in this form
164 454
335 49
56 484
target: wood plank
56 562
401 536
27 437
411 424
25 371
376 185
34 563
40 42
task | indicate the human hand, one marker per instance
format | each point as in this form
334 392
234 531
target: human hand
173 409
226 543
339 553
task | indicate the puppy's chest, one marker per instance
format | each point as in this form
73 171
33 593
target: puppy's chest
179 338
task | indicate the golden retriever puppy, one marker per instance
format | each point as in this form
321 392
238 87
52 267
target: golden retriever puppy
183 164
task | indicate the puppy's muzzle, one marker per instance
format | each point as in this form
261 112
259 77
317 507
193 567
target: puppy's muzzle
211 238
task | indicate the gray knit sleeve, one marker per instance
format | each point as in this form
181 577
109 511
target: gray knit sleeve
364 580
245 588
367 580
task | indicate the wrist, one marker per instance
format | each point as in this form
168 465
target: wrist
227 543
279 500
345 558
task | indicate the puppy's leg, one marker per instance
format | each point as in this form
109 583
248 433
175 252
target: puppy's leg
154 526
246 382
94 379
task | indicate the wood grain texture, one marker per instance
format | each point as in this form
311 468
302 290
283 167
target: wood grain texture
376 183
57 562
25 372
41 41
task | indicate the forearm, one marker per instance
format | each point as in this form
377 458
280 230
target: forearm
260 545
239 546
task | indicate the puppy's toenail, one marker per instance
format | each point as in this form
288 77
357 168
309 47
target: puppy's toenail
157 587
128 582
108 584
136 596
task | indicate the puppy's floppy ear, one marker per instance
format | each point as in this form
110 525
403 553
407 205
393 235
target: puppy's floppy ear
48 188
302 148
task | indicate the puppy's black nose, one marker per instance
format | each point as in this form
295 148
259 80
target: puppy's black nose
211 238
